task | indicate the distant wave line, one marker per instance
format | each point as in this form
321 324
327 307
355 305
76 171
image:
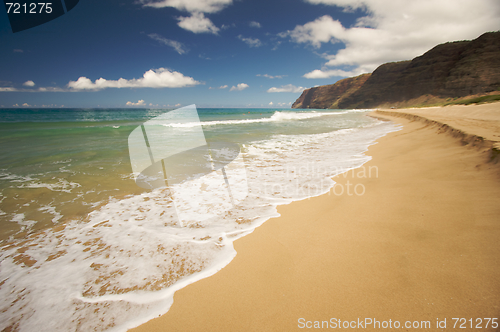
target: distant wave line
276 117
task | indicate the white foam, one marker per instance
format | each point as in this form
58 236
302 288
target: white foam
276 117
61 162
134 242
52 210
16 178
60 185
19 218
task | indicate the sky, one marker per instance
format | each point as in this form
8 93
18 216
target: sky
219 53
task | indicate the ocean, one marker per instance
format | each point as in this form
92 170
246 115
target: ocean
83 247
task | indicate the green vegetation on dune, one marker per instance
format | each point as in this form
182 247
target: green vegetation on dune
476 100
450 102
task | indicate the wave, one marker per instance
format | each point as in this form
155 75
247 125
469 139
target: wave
276 117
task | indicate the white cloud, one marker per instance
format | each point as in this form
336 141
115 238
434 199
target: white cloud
287 88
159 78
17 50
139 103
221 87
179 47
26 105
284 104
40 89
270 76
192 6
271 103
393 30
239 87
321 30
49 89
317 73
276 45
29 83
197 23
252 42
254 24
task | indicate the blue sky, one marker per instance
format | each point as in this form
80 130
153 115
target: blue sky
219 53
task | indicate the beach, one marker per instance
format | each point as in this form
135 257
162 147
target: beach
410 237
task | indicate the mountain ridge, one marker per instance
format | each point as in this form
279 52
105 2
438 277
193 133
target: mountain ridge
453 70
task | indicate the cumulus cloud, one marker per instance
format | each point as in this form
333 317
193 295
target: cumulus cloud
50 89
40 89
154 78
317 73
393 31
7 89
239 87
270 76
179 47
321 30
287 88
197 23
29 83
198 6
252 42
221 87
139 103
254 24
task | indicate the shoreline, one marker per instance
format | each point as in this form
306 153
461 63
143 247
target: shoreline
420 244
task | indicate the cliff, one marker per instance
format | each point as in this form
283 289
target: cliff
446 72
329 96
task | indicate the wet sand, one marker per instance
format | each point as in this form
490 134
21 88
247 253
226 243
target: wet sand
415 240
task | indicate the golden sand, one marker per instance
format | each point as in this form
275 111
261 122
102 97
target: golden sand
421 244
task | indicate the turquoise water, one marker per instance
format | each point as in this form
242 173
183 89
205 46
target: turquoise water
73 159
81 242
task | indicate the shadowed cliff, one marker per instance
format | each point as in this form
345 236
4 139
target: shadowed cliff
446 72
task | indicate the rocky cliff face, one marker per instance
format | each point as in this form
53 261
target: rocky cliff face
329 96
450 70
378 88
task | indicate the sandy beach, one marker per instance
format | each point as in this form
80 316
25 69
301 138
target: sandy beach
411 237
